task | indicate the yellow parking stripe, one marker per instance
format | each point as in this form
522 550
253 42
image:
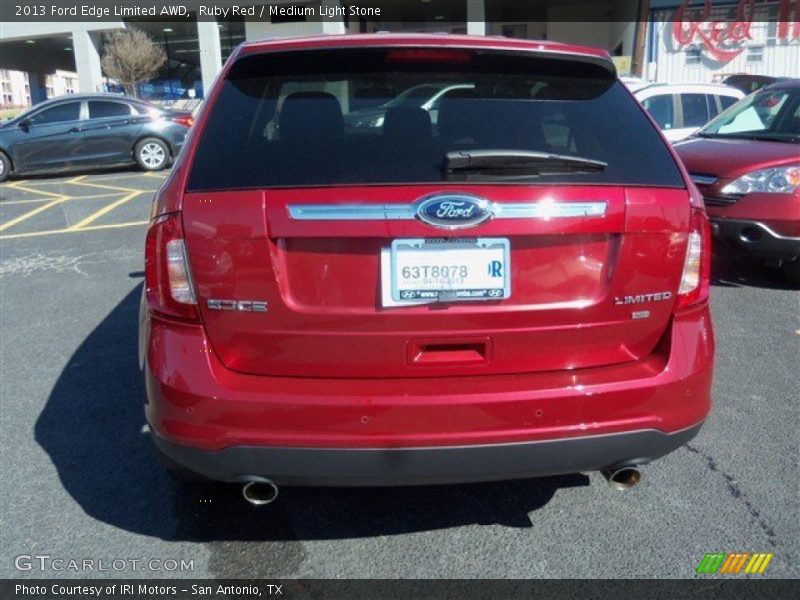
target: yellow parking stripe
17 185
38 200
108 187
33 213
106 209
14 236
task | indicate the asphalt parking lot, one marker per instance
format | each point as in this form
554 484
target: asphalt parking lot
78 479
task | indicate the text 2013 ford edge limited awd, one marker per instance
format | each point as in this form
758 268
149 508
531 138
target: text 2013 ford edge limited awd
510 282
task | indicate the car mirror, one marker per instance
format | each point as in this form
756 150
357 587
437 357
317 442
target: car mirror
25 124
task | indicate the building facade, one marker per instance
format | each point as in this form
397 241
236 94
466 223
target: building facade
706 42
15 91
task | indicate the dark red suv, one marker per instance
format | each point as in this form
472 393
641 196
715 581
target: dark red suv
509 282
746 163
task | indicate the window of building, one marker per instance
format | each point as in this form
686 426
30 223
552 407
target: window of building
755 54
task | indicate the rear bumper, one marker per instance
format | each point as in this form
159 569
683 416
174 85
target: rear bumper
230 426
756 238
422 466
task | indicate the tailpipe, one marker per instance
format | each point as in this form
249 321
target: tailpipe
623 478
260 491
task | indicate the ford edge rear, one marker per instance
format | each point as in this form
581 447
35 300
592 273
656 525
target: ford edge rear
509 282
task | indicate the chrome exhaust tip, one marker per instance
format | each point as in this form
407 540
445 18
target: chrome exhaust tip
623 478
260 491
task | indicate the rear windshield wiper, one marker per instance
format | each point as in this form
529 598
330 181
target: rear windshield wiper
518 162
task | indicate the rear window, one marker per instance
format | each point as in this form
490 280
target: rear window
390 115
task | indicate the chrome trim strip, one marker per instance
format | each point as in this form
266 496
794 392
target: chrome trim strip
549 210
702 179
407 212
351 212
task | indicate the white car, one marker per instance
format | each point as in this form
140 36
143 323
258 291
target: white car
680 109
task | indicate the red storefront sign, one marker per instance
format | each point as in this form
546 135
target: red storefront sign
724 40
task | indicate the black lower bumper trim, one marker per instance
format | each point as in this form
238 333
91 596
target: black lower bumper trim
756 239
430 465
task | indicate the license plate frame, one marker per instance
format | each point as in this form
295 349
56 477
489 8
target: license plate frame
472 252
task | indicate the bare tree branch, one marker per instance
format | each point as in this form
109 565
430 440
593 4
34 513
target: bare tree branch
131 57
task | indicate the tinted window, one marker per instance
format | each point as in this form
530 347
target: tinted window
101 110
711 102
695 111
58 114
660 108
285 120
727 101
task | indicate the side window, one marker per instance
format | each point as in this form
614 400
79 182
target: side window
660 108
58 114
99 109
727 101
711 102
695 111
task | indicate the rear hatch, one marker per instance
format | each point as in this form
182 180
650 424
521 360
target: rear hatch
509 227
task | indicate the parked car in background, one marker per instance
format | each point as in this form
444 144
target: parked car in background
680 109
634 83
748 83
520 290
91 130
746 163
425 96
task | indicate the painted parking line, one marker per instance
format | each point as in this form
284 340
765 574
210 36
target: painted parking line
40 200
106 209
33 213
71 190
16 236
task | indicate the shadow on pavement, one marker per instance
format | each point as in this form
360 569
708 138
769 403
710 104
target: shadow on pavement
121 169
730 268
92 429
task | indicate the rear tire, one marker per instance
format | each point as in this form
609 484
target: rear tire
791 270
5 167
151 154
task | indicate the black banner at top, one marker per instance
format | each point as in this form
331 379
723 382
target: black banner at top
375 11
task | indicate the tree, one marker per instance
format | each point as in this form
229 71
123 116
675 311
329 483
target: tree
131 58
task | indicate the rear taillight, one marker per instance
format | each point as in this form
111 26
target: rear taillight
167 276
185 120
697 265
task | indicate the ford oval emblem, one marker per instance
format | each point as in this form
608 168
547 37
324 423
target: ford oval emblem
454 211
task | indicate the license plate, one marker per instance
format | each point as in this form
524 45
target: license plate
436 270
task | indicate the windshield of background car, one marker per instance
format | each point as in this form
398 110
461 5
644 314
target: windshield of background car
763 115
281 119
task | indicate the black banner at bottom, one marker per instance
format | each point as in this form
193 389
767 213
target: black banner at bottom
393 589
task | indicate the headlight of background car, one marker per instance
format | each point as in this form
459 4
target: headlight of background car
779 180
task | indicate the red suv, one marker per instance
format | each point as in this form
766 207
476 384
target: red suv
746 163
511 282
